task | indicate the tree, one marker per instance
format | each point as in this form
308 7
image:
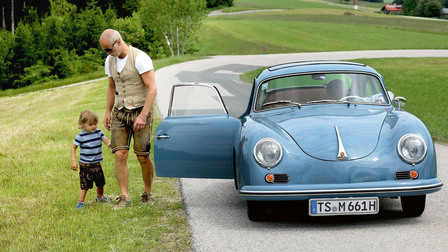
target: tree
191 13
428 8
409 7
24 47
216 3
60 38
6 55
3 18
132 31
131 5
12 17
87 25
175 20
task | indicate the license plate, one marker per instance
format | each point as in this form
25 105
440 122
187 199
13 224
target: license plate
343 206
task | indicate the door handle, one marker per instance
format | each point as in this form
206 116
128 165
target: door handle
162 136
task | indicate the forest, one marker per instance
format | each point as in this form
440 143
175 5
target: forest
42 40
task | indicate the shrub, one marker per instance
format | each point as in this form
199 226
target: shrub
428 8
6 55
36 73
409 7
216 3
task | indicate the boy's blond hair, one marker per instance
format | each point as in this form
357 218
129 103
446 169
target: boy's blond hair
87 116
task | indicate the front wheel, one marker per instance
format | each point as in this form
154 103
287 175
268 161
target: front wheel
413 206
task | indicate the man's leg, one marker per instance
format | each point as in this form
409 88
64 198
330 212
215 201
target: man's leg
122 171
147 171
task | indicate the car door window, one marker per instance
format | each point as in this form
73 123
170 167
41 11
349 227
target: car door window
195 99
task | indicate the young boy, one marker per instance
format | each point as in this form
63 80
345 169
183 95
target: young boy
90 156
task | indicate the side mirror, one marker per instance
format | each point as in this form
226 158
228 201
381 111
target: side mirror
400 101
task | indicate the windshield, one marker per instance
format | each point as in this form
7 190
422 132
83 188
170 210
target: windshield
310 89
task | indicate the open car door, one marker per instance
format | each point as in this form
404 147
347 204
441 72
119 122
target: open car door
196 139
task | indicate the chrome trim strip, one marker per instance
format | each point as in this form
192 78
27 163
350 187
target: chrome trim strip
342 154
341 191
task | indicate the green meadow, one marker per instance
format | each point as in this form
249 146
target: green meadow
39 190
316 27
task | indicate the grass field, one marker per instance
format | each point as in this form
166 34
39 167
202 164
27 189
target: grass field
316 27
39 190
244 5
423 82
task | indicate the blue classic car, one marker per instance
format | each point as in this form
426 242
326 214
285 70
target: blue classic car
325 132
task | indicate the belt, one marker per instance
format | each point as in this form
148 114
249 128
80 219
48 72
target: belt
131 110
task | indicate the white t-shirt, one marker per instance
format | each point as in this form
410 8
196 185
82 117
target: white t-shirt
143 63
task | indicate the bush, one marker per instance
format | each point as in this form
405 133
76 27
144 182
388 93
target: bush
6 55
216 3
429 8
90 62
409 7
132 31
35 74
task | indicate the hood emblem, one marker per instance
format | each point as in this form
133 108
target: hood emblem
342 154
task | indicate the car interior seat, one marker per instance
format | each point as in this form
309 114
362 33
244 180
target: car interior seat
336 89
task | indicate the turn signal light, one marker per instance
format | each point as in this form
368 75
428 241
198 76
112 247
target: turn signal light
269 178
413 174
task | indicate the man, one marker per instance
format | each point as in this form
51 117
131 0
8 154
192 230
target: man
131 93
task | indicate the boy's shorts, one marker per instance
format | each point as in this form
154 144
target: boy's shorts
122 128
89 173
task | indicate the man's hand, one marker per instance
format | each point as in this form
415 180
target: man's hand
139 123
107 121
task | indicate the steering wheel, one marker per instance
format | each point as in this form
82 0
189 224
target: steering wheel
353 98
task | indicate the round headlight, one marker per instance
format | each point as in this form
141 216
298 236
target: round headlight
412 148
268 152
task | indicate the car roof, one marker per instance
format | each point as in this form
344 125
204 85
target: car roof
313 66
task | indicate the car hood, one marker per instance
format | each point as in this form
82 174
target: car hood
314 130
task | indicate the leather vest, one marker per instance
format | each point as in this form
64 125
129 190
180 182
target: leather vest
130 91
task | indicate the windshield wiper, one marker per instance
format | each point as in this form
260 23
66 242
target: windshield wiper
328 101
283 101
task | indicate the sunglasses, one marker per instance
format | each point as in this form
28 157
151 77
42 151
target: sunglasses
110 48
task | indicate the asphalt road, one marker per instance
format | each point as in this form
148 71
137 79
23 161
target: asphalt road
218 216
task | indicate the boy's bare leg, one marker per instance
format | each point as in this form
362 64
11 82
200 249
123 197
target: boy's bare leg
99 191
82 195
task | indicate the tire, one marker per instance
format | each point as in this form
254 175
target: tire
256 210
413 206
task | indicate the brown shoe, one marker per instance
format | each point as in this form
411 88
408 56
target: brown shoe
147 198
122 202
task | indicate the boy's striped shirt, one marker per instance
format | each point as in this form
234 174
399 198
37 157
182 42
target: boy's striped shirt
91 146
